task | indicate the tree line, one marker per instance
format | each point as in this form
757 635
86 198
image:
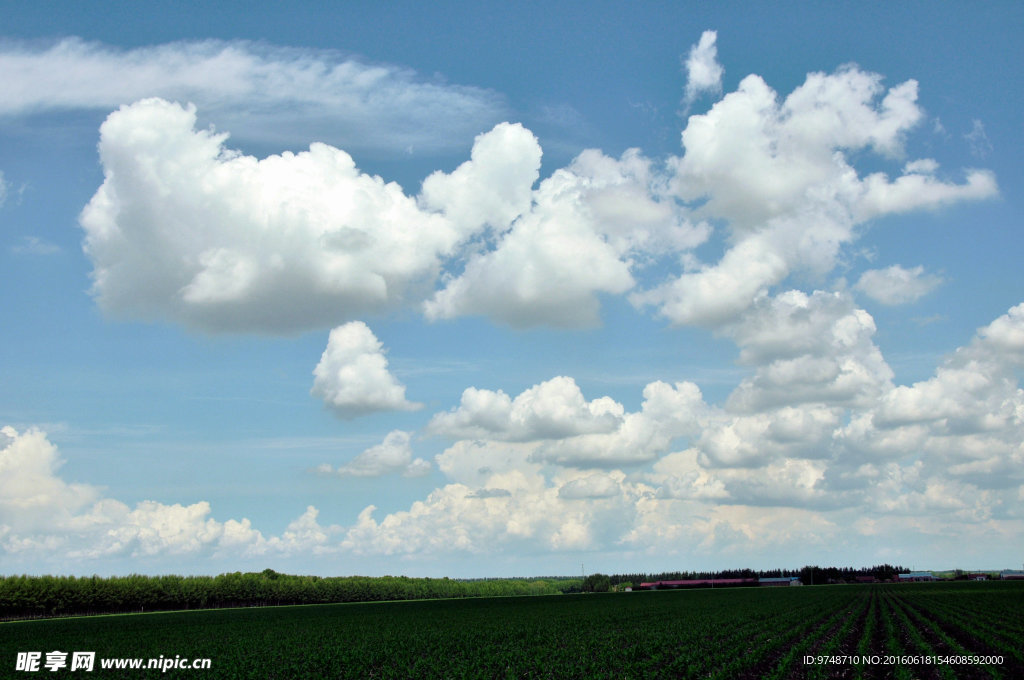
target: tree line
808 574
43 596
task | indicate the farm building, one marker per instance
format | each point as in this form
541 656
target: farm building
916 576
780 581
700 583
1012 574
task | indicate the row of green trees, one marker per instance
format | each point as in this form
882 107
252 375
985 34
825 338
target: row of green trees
38 596
808 574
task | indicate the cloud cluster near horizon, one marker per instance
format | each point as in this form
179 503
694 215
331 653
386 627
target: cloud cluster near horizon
550 470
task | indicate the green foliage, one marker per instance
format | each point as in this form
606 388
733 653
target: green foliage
41 596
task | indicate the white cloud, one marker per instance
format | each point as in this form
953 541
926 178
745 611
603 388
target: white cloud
261 92
557 425
778 173
481 463
494 187
4 188
305 535
241 239
961 428
896 286
553 409
352 376
763 439
681 475
30 492
807 349
949 445
716 294
511 512
184 228
1003 339
916 189
42 514
703 72
393 455
589 225
974 391
666 413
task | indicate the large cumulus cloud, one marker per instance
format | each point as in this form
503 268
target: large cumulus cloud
779 173
187 229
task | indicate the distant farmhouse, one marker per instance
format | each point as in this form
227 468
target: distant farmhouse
721 583
780 581
916 576
880 576
700 583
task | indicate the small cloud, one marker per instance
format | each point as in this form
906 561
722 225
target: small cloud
703 72
922 166
33 245
353 378
895 285
929 320
393 455
980 144
554 409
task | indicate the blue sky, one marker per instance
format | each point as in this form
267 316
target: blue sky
480 289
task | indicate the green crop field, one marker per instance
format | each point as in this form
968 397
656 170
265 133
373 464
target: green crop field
929 630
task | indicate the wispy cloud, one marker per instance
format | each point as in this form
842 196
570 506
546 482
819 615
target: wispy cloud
33 245
261 92
391 456
978 140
